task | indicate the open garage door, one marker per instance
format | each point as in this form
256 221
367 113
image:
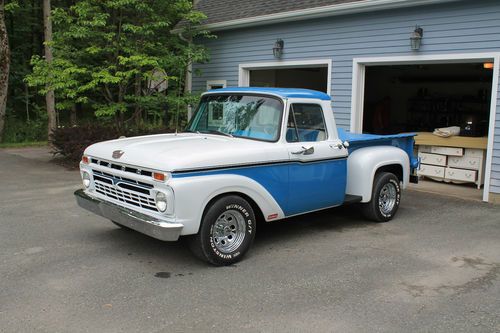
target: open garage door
424 97
420 98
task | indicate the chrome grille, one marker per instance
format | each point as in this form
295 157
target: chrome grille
122 167
124 190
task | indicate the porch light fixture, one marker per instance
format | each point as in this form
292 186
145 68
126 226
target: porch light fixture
416 38
278 48
488 65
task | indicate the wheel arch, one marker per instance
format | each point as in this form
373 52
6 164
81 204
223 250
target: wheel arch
396 169
194 194
364 163
259 215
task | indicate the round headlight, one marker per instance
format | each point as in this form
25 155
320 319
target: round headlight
161 201
86 179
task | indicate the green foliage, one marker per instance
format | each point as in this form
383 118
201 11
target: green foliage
105 51
20 130
24 144
11 6
25 28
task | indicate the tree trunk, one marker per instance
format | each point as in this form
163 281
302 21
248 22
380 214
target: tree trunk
49 97
4 68
137 92
72 115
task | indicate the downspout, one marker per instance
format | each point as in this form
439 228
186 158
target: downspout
188 80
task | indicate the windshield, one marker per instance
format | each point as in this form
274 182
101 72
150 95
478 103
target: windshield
245 116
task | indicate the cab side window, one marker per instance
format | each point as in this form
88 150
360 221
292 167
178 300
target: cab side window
306 123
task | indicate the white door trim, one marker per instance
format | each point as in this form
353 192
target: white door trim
358 84
244 69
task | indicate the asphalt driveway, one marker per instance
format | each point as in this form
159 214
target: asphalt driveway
435 268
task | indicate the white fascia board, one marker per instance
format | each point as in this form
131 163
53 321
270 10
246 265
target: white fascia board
318 12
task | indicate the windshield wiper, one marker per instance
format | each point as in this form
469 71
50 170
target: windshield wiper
218 132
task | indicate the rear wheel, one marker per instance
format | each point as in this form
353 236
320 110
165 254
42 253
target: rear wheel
227 230
386 195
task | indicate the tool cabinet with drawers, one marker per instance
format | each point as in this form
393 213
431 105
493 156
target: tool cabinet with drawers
452 164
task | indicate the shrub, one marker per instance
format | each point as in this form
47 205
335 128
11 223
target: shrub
19 130
70 142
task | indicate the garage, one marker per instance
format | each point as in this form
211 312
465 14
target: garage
315 78
308 74
422 97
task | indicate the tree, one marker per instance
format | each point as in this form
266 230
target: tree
4 67
49 95
105 51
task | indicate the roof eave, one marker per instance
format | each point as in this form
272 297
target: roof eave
318 12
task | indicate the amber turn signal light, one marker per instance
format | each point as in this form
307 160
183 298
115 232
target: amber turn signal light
159 176
85 159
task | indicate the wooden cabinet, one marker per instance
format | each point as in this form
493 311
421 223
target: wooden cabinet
452 164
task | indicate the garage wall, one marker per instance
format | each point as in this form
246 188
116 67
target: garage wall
462 27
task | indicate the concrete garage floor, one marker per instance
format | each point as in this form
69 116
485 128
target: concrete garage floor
464 191
435 268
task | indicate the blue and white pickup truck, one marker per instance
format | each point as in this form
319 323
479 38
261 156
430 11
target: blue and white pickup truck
248 154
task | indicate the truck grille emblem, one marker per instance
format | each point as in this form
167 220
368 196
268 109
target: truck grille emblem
117 154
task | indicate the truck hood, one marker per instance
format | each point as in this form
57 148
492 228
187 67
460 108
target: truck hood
185 151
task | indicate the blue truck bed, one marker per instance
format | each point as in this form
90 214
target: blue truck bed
404 141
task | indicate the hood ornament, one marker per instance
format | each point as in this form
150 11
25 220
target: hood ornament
117 154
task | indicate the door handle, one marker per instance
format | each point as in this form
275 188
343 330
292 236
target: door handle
340 145
304 151
337 146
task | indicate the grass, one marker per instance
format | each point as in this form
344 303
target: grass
23 144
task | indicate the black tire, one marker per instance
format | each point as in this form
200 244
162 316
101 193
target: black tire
376 210
238 219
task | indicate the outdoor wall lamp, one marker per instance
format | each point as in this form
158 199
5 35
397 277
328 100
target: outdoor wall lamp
278 48
416 38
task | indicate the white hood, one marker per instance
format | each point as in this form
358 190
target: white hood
173 152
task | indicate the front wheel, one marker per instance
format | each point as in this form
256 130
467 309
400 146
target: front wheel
386 195
227 230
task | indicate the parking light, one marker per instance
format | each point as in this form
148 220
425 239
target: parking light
160 176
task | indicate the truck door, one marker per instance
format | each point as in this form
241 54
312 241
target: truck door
317 174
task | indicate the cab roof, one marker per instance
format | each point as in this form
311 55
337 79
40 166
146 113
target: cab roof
281 92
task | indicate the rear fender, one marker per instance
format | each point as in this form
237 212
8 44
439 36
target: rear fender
363 164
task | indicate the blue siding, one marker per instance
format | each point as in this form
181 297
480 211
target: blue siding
462 27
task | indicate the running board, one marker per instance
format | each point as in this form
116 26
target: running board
350 199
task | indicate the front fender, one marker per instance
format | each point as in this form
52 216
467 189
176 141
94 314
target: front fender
192 194
363 163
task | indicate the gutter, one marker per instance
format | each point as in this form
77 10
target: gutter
318 12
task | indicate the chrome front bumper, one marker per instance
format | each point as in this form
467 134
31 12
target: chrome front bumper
140 222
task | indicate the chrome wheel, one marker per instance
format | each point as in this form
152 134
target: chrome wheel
387 198
229 231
